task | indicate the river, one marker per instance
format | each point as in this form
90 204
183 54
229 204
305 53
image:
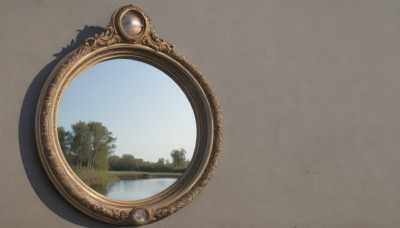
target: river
138 188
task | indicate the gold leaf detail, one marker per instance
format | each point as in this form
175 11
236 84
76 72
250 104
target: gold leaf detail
158 44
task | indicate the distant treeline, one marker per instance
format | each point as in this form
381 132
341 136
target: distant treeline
91 146
128 162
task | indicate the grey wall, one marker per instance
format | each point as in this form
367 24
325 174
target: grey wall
309 91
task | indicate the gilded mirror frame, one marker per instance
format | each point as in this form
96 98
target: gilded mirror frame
115 43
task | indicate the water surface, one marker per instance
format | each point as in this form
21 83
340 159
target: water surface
138 189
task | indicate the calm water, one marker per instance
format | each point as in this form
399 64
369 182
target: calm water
138 189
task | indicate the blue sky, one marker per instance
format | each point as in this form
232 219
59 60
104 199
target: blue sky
144 108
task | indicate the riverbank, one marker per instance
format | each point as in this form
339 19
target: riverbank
124 175
104 178
95 177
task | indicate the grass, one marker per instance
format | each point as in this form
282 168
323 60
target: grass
95 177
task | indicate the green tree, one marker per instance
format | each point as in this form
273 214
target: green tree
80 143
128 162
64 138
178 157
161 162
90 145
114 163
102 146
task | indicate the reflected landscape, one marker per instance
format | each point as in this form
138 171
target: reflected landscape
126 129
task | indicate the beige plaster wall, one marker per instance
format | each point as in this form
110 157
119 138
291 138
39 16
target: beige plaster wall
310 94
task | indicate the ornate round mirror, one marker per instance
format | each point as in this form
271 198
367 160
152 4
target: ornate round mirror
127 129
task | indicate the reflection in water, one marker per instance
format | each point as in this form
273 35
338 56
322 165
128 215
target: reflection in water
135 189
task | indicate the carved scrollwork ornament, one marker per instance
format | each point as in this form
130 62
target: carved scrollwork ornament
129 35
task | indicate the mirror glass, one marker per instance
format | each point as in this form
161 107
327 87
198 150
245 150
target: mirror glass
126 129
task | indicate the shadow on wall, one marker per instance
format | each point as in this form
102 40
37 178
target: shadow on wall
26 134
